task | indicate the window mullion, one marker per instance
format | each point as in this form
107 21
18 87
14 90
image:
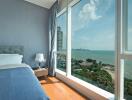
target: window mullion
69 41
125 25
119 49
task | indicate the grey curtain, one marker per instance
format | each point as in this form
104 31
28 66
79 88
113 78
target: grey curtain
52 32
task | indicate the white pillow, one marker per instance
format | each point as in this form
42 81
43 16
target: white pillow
10 59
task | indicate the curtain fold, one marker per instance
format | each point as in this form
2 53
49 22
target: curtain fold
52 33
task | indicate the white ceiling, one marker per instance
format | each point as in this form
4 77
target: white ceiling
43 3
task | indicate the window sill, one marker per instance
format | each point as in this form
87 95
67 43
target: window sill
85 88
61 72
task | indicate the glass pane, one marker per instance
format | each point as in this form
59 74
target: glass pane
129 25
93 34
61 42
61 62
128 80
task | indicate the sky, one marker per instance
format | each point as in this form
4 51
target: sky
93 25
129 25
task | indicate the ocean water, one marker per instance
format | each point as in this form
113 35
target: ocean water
107 57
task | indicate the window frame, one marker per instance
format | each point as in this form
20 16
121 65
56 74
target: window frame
56 69
68 29
68 58
121 46
122 51
97 89
67 74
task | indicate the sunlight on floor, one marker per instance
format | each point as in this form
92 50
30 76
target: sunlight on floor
57 90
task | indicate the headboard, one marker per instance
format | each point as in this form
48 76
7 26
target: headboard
12 50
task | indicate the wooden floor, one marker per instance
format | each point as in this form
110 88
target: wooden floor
57 90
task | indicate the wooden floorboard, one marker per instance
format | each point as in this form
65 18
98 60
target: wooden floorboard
57 90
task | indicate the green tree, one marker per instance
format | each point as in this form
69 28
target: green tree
89 60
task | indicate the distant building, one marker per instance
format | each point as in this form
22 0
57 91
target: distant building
59 39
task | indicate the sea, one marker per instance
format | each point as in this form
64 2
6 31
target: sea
106 57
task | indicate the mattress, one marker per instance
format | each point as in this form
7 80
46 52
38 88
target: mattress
18 82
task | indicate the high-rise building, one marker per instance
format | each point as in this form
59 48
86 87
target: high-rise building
59 39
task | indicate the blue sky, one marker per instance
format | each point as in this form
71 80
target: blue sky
130 25
93 25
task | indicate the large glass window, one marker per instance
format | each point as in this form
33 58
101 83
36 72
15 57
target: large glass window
128 62
61 42
91 29
93 38
128 80
129 25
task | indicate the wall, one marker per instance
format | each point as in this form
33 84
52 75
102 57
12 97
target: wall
22 23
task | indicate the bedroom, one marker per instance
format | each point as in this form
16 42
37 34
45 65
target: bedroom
83 46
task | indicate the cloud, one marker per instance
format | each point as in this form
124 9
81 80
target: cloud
88 11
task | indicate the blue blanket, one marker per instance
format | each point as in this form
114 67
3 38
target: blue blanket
20 84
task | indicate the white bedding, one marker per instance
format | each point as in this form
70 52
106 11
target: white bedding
14 66
10 59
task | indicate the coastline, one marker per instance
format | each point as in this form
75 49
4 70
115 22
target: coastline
96 72
112 73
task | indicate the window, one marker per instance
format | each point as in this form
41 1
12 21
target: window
61 42
129 25
128 80
89 52
128 49
93 38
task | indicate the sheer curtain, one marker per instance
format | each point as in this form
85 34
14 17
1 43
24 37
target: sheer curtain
52 32
55 9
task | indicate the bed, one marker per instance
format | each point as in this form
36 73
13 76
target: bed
17 81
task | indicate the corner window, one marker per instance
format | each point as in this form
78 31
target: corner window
129 25
61 42
92 33
127 33
93 38
128 80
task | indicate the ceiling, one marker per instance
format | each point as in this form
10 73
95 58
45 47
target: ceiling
43 3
